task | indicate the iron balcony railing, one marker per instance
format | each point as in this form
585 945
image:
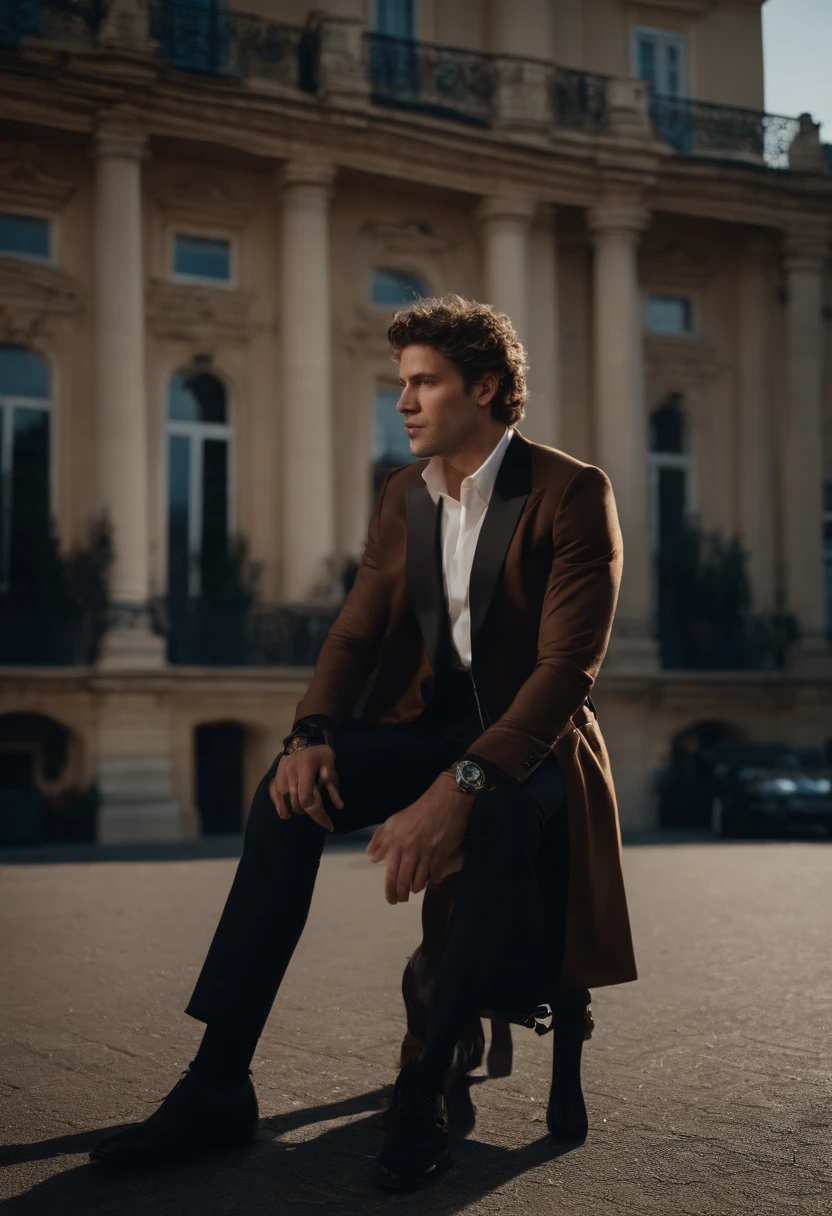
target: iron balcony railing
210 39
702 128
205 634
65 22
469 86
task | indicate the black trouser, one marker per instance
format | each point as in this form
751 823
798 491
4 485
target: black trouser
497 949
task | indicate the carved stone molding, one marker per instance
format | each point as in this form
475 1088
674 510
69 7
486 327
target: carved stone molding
198 314
46 289
674 262
24 326
366 332
409 238
682 361
27 182
199 194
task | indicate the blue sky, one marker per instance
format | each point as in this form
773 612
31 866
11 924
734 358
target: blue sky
797 58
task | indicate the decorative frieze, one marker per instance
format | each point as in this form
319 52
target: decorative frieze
36 287
199 194
25 181
198 314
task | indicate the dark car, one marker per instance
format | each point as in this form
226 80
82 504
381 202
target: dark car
759 789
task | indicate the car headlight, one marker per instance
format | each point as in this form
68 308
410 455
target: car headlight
777 787
815 785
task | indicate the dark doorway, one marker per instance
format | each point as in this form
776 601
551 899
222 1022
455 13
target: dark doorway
219 777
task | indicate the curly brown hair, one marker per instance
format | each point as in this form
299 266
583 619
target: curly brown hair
476 338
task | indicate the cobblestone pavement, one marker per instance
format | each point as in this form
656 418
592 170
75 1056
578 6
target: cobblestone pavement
708 1081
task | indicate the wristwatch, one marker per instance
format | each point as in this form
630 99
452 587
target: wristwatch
470 777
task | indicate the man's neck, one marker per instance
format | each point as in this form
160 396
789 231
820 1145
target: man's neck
461 464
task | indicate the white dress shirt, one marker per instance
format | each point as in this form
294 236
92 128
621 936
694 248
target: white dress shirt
461 524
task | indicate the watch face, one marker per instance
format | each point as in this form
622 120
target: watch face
470 773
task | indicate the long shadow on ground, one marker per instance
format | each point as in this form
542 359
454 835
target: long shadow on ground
332 1170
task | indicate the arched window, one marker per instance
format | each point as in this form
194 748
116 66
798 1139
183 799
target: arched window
199 436
669 463
25 409
396 287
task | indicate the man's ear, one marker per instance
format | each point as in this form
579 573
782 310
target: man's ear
487 387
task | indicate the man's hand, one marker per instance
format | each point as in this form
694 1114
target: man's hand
296 783
424 841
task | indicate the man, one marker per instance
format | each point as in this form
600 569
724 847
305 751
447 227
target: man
483 604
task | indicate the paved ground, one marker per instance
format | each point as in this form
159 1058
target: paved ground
708 1081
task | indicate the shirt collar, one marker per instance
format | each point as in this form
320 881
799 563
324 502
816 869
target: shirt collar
483 479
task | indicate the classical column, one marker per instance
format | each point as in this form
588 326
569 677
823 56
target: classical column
756 501
506 225
802 497
121 400
307 465
620 421
542 421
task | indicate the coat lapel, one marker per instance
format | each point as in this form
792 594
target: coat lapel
425 582
511 489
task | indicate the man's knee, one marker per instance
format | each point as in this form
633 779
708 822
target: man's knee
505 823
264 827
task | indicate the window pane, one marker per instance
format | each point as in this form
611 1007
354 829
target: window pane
27 234
647 60
201 257
669 315
179 453
672 491
23 374
667 427
199 398
214 516
395 17
395 287
30 553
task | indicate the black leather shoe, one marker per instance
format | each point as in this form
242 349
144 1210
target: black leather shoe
416 1150
196 1115
566 1115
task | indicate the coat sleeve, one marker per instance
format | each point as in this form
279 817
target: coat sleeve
575 624
350 652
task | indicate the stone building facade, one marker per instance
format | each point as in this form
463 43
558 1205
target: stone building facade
207 215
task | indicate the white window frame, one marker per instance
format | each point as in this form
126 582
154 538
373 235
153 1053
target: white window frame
195 432
196 280
662 37
28 213
8 405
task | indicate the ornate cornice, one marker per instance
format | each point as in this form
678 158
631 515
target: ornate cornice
197 193
203 314
26 182
32 285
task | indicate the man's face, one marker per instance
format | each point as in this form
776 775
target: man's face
438 414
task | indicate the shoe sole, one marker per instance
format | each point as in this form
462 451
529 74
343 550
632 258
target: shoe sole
206 1145
390 1184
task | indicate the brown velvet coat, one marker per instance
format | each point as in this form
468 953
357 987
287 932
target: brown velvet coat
543 591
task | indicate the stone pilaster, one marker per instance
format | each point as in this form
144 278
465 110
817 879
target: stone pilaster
806 250
756 499
307 464
121 402
542 421
620 419
506 223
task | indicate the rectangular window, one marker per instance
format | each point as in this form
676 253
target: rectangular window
669 315
28 527
197 257
25 236
659 58
395 18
